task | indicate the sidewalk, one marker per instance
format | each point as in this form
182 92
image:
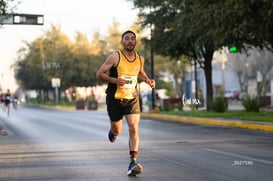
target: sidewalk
211 121
233 105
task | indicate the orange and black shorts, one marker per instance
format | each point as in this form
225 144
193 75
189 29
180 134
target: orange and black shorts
117 108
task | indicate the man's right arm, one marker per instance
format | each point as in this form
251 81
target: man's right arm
102 73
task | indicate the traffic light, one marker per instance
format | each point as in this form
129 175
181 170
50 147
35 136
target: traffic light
233 49
22 19
28 19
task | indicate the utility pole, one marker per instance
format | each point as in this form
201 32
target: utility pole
152 59
152 70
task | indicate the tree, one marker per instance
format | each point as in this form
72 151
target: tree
241 66
83 63
255 64
54 55
264 66
3 7
113 37
7 6
98 45
176 68
175 34
43 59
259 22
197 28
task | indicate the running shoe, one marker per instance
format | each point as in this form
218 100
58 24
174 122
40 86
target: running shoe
112 137
134 169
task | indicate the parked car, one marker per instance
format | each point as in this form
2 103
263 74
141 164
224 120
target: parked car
233 94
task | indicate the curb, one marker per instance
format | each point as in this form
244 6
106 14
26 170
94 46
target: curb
214 122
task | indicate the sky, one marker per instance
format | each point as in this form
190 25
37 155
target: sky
86 16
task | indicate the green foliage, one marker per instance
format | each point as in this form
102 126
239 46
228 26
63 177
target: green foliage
7 6
3 7
251 104
230 114
54 55
160 84
198 28
219 90
219 104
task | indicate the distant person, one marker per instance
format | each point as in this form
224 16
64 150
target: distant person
7 97
2 99
15 101
8 100
121 70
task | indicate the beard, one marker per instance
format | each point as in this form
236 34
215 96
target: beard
130 48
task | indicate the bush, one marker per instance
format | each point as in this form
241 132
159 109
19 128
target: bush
219 104
251 104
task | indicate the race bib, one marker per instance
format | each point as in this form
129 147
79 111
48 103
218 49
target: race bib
131 81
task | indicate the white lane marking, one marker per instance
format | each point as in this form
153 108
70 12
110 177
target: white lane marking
239 156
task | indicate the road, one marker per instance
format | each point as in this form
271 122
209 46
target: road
54 145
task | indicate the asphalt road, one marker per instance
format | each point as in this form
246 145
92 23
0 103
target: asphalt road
51 145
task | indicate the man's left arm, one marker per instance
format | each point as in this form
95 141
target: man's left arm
143 76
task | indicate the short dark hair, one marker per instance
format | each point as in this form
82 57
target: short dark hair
128 31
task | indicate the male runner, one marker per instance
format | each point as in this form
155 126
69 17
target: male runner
121 70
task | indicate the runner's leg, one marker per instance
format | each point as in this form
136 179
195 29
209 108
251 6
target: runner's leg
133 125
116 127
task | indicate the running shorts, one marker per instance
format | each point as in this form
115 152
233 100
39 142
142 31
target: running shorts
117 108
